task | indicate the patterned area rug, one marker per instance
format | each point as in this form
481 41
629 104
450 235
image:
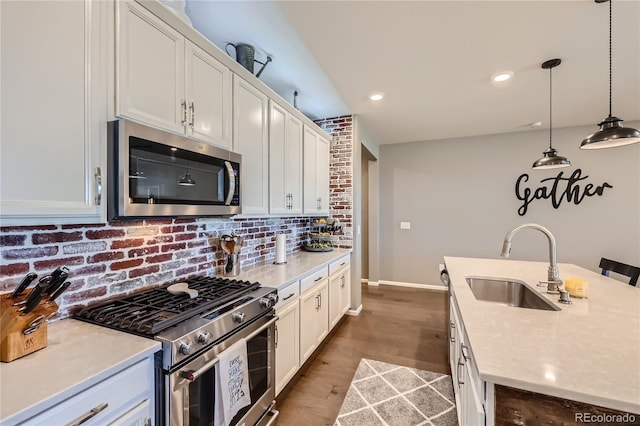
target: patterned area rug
391 395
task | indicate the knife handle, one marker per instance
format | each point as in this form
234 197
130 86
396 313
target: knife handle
23 284
33 299
57 292
57 282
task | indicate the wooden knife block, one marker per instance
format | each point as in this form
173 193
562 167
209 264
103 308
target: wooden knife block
13 342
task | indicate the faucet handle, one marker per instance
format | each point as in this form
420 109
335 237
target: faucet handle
553 286
565 297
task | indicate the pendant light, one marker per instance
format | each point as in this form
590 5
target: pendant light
611 133
186 180
551 159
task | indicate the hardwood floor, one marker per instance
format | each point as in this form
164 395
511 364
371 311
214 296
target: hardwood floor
399 325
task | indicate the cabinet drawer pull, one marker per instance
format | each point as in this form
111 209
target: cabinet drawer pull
343 263
317 279
88 415
289 296
465 354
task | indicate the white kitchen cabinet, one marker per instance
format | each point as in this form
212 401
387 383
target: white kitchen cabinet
164 80
126 398
315 173
339 290
54 62
209 97
467 386
288 343
285 161
250 139
314 318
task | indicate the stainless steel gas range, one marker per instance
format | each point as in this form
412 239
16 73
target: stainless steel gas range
194 329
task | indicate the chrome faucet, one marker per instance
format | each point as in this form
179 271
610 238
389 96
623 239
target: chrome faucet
553 276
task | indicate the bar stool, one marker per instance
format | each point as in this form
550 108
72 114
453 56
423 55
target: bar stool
633 272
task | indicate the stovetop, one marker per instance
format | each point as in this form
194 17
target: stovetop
152 311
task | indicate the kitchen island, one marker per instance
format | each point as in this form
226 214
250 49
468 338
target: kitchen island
587 352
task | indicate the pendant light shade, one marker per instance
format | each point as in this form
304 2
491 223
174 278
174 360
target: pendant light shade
186 180
550 158
611 133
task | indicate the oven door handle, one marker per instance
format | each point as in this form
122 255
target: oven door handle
232 183
193 375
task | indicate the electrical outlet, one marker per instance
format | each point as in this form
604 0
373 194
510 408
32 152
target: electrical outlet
405 225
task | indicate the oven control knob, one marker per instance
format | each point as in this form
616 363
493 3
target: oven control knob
265 302
274 298
238 317
185 347
204 337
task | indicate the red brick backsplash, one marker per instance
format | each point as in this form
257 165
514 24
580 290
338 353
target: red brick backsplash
341 155
107 260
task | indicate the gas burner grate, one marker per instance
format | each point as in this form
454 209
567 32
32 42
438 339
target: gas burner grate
151 311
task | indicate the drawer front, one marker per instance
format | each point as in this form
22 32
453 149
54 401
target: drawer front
336 265
314 278
119 392
288 294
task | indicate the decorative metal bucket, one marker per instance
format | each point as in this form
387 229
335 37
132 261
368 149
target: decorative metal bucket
244 55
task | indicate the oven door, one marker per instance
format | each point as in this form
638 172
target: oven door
191 388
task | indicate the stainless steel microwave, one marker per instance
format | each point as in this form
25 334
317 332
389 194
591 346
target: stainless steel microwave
153 173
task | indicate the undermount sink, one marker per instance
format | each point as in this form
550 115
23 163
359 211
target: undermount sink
508 292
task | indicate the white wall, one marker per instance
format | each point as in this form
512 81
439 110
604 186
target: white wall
459 196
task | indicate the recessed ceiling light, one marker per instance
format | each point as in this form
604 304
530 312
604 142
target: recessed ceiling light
376 96
502 76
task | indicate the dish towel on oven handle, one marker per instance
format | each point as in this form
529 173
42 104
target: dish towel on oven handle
232 383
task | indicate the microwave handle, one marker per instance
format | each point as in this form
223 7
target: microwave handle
232 183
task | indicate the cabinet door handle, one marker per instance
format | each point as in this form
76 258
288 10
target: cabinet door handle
342 278
320 299
460 364
192 109
276 337
453 327
98 178
88 415
183 104
317 306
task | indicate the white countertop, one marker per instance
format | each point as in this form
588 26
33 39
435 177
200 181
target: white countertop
78 355
298 264
588 351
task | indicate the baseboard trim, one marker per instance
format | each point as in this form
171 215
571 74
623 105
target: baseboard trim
373 283
414 285
354 312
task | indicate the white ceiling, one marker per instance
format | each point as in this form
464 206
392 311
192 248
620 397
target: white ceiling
434 60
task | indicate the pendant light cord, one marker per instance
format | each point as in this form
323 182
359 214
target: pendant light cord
610 54
550 106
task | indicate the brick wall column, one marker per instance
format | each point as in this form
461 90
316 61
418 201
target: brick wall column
341 155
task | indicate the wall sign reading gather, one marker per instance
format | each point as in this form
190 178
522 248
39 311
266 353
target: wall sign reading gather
559 189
